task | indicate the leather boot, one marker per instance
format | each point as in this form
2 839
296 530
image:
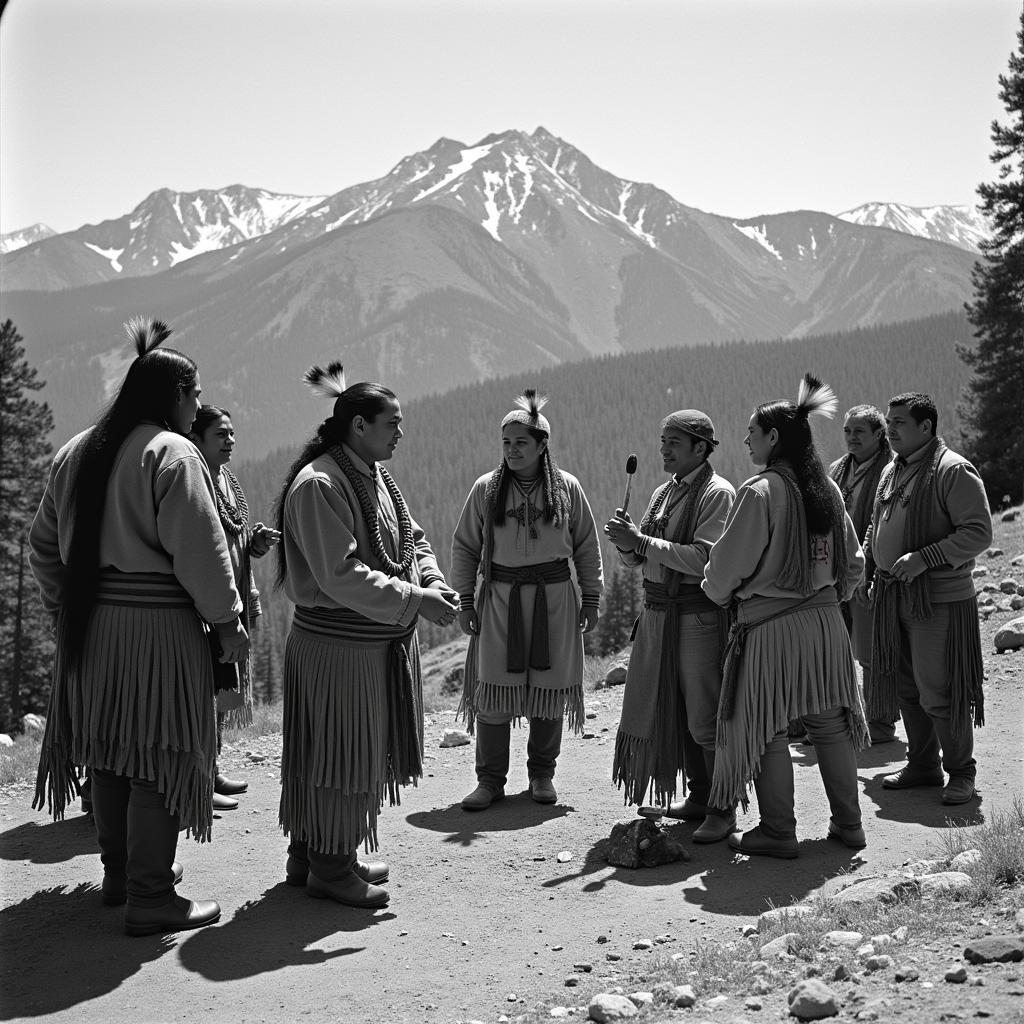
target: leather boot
333 876
110 796
492 743
957 761
153 907
297 866
698 778
542 749
775 791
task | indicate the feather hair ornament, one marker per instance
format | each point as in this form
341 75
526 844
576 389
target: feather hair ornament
146 333
815 398
329 383
531 403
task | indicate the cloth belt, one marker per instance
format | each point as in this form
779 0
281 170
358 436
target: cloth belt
405 753
750 614
141 590
539 655
688 600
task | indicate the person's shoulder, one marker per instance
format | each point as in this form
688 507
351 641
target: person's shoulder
836 463
166 446
320 471
760 483
951 458
719 483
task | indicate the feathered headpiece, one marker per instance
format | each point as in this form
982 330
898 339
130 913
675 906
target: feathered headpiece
145 333
527 411
329 383
815 398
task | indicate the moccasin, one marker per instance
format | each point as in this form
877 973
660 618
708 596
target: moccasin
351 891
224 803
756 844
177 916
854 838
959 790
909 777
714 828
296 871
542 791
481 798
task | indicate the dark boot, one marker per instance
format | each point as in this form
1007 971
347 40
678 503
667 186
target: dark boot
775 791
153 906
957 760
333 876
543 747
297 866
492 743
698 775
110 795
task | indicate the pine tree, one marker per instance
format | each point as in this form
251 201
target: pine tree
991 409
26 645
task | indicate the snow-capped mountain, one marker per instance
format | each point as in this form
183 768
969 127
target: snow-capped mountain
962 226
165 229
26 236
465 262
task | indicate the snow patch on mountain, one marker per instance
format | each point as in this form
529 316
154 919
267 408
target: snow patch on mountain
113 256
963 226
759 234
14 240
468 157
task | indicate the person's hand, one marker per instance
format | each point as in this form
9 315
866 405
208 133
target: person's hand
234 641
263 539
622 531
468 622
439 606
443 587
908 567
588 619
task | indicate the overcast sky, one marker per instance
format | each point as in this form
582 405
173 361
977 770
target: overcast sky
738 107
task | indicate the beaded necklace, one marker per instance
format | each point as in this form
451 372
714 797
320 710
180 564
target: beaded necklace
234 517
658 515
406 546
889 495
856 473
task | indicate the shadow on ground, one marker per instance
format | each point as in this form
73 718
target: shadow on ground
274 933
512 814
61 948
49 842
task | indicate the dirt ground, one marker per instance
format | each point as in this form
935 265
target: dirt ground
489 912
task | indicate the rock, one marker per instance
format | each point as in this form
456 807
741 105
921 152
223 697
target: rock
682 996
945 882
643 944
613 957
901 933
558 1011
616 675
880 962
906 974
564 857
1011 636
760 987
849 940
640 843
34 725
748 930
841 973
882 941
454 738
640 999
1016 603
784 945
780 915
956 976
1017 560
572 981
990 949
752 1003
715 1002
925 867
994 552
964 860
1018 919
5 740
812 999
607 1006
978 571
886 890
583 968
1008 516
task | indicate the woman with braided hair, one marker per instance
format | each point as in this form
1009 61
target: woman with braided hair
214 436
788 555
360 572
520 527
130 557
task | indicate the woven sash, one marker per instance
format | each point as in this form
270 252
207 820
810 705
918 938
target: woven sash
539 655
141 590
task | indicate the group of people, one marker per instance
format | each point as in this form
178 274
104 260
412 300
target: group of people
142 547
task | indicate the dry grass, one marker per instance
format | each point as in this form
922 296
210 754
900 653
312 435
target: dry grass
18 763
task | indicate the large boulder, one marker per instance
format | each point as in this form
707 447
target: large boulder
641 844
1011 636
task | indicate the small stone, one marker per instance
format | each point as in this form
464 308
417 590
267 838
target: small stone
780 915
682 996
748 930
716 1001
760 987
978 571
925 866
1011 636
640 999
882 941
572 981
849 940
613 957
994 552
784 945
945 882
995 949
841 973
602 938
583 968
887 890
1008 585
558 1011
557 949
643 944
901 933
607 1006
879 962
616 675
1018 919
907 974
966 859
511 997
956 976
256 758
812 999
564 857
752 1003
